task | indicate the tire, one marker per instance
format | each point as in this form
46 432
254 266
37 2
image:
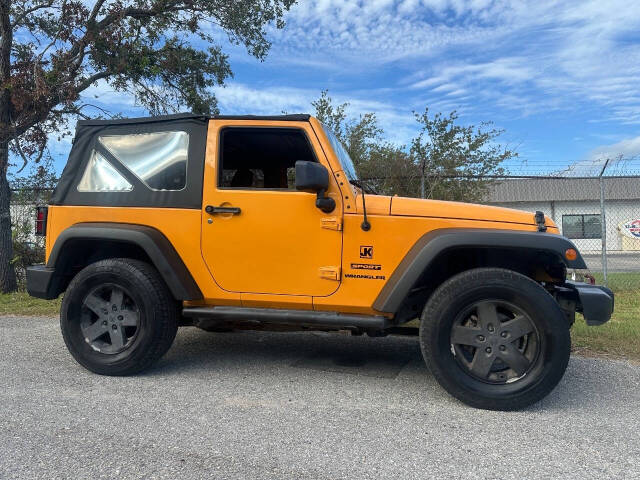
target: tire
118 317
470 339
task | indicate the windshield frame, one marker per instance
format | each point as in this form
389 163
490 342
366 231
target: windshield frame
343 157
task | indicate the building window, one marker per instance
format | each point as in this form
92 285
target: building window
581 226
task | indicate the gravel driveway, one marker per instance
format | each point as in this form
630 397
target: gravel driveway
252 405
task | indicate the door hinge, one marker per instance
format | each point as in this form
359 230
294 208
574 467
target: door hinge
332 223
330 273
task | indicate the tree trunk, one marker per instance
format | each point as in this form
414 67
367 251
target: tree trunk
7 272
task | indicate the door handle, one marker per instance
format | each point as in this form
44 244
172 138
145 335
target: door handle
211 210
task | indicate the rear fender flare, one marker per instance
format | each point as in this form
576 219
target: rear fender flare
157 247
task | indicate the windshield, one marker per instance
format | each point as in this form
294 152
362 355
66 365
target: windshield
341 153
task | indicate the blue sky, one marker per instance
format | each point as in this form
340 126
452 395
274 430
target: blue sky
562 78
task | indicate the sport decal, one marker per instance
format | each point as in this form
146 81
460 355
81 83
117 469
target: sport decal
366 266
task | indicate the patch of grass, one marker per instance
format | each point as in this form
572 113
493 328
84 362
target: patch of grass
619 282
20 303
620 337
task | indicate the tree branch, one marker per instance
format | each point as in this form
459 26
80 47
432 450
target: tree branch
25 159
87 82
24 14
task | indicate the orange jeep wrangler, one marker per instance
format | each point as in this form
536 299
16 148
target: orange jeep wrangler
259 222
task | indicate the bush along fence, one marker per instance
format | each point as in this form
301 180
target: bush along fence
28 248
601 215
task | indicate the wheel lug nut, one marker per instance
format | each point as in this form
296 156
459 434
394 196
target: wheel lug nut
481 338
502 348
120 317
488 350
104 323
490 328
503 334
114 326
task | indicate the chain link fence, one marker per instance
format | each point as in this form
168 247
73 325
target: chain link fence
28 248
601 215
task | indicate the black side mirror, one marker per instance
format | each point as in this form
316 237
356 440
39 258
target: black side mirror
314 177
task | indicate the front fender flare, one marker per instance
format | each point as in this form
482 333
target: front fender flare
432 244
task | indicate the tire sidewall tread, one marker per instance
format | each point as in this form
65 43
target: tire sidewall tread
438 316
159 316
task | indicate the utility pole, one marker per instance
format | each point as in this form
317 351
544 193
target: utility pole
603 223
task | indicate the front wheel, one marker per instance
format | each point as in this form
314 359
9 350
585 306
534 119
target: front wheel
118 317
495 339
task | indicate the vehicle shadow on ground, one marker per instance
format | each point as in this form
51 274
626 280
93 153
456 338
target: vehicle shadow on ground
392 358
361 355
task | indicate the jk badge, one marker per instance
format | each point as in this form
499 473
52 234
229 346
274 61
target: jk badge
366 251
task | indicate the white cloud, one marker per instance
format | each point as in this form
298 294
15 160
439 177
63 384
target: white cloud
237 98
621 158
627 148
527 57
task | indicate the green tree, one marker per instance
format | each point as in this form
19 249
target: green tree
358 136
164 52
454 160
445 161
373 156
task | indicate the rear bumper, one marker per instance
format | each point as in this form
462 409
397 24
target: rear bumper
40 282
595 302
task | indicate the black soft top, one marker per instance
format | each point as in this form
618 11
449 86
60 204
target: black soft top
85 141
297 117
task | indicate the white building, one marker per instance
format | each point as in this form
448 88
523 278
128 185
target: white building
574 204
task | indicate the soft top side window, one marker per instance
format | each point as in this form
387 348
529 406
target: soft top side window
261 157
100 176
158 159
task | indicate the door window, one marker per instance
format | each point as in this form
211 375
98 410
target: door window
262 158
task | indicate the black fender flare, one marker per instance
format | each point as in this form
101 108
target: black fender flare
158 248
432 244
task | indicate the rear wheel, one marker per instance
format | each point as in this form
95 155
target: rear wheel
118 317
495 339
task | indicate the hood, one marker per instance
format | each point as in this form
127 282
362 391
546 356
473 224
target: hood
416 207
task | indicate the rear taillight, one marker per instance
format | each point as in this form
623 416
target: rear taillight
41 220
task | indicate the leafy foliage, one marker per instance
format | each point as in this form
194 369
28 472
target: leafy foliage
451 157
443 161
59 48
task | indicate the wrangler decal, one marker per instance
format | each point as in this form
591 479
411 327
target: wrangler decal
366 277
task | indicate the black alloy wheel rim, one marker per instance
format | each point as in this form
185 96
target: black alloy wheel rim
109 319
495 342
